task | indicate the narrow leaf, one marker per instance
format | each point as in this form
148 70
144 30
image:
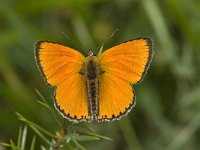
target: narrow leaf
40 95
53 112
23 142
77 144
6 144
43 148
41 135
100 50
35 125
19 137
33 144
44 104
85 127
100 136
14 147
87 138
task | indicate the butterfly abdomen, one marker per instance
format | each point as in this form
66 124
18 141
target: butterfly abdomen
91 72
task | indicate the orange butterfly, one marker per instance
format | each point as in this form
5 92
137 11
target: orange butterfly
94 88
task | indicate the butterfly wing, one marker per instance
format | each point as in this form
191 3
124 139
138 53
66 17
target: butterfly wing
116 97
71 98
123 65
60 66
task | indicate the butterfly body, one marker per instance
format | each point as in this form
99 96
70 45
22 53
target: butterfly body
92 71
94 88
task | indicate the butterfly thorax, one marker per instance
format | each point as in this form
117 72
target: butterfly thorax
91 71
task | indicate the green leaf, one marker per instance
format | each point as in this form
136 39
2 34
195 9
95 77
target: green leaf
35 125
100 50
14 147
23 142
76 143
68 139
19 137
53 112
6 144
46 105
85 127
40 95
43 148
100 136
33 144
87 138
41 135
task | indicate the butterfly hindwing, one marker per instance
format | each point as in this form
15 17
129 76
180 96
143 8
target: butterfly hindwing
116 97
71 98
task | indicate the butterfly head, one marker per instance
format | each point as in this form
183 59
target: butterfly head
90 53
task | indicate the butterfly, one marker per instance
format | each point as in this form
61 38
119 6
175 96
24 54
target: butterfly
94 88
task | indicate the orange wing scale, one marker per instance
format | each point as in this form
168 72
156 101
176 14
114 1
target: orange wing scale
60 66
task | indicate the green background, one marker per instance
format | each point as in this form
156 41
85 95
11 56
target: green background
167 114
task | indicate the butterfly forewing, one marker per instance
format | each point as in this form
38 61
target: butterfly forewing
129 60
57 62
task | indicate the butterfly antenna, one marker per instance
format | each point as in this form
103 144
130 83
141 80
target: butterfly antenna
102 44
72 41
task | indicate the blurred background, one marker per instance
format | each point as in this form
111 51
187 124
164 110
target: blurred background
167 114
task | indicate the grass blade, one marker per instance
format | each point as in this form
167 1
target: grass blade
100 50
33 143
35 125
23 142
100 136
40 95
76 143
6 144
14 147
43 148
46 105
85 127
129 131
19 137
87 138
40 135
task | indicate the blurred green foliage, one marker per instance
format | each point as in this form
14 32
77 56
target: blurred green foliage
167 114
